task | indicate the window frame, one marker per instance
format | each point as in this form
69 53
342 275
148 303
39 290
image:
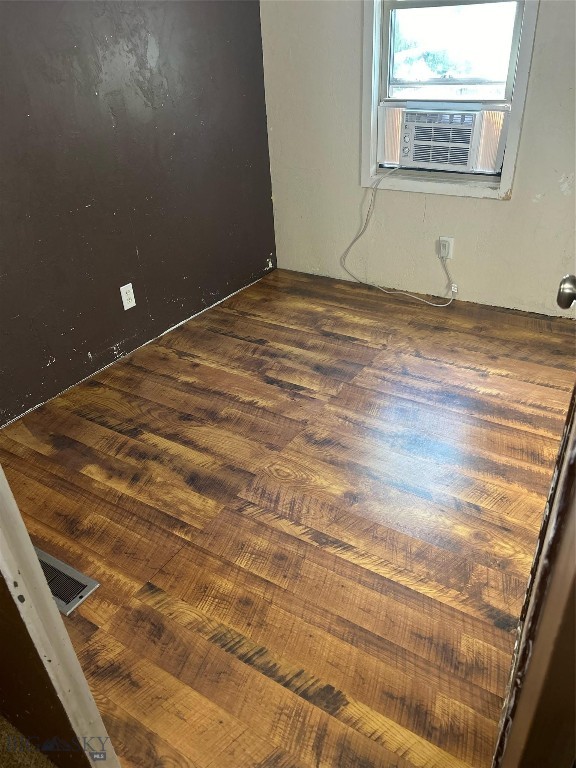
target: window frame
375 72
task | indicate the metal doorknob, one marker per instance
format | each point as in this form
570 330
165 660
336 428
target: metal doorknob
567 292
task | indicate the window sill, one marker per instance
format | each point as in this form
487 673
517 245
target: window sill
436 182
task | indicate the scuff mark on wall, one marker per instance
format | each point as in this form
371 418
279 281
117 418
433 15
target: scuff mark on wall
153 51
566 182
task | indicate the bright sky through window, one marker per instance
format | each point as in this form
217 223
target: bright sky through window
451 52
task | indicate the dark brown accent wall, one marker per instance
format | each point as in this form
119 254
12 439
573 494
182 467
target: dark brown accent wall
133 148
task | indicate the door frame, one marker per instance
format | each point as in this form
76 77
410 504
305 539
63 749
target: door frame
20 567
547 612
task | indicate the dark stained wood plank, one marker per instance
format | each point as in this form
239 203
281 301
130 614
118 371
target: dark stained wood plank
277 617
284 341
396 481
200 651
401 615
225 377
206 444
191 723
165 465
494 397
466 351
80 630
432 637
287 633
136 745
499 545
363 677
385 446
371 410
274 430
400 560
313 511
332 320
144 547
300 370
123 475
91 492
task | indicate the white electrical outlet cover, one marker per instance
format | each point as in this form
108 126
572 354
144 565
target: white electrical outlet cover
128 298
446 247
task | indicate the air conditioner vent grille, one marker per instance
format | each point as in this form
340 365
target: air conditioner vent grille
438 153
444 134
461 135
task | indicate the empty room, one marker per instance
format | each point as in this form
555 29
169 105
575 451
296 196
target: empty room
287 358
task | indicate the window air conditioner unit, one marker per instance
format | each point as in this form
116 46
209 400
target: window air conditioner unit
466 138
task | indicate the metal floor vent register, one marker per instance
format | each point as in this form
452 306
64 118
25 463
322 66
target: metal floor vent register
69 587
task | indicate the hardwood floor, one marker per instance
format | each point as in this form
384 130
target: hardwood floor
313 512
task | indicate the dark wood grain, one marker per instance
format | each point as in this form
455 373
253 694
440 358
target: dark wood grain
313 511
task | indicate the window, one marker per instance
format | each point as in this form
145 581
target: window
452 52
444 89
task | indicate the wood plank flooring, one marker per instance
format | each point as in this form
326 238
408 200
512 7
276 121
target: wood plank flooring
313 511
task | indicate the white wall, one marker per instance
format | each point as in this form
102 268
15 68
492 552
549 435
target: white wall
507 253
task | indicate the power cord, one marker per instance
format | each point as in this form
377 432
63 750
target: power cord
363 229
